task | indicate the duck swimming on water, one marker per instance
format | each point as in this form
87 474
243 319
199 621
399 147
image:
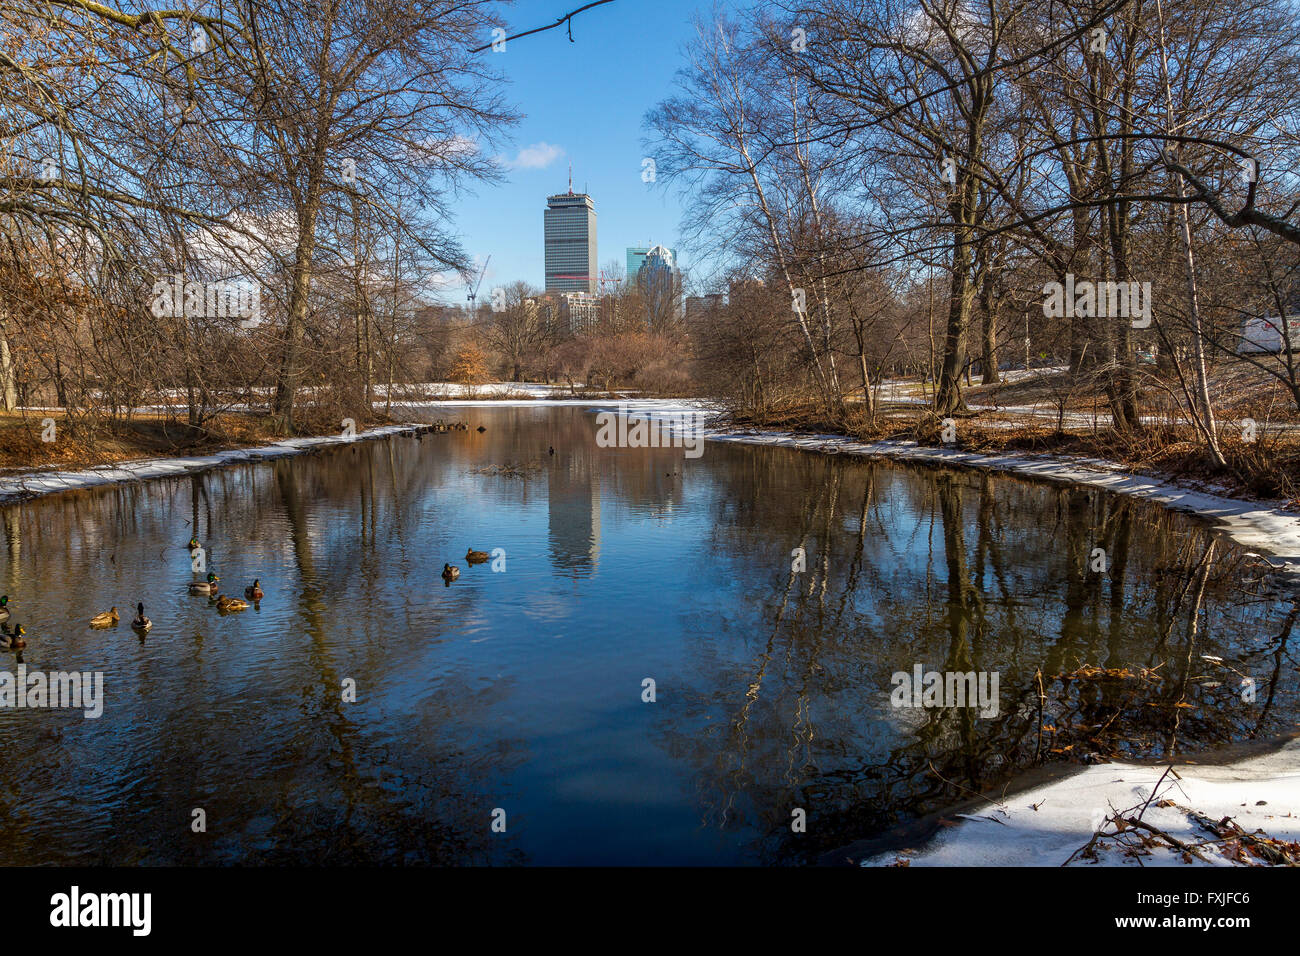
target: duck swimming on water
106 619
230 604
140 622
254 591
450 573
16 642
205 587
476 557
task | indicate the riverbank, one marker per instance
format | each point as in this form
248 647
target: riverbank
25 484
1242 813
1271 527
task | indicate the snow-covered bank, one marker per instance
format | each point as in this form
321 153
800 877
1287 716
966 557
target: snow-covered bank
668 404
34 484
1141 816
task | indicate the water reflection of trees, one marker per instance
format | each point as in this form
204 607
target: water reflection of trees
958 572
256 733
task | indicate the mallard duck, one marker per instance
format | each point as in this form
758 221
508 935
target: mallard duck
205 587
106 619
4 608
476 557
194 544
15 642
230 604
254 591
450 573
140 622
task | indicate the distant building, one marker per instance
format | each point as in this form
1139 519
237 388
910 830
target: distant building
610 317
637 255
698 306
740 288
1269 333
569 225
660 283
579 312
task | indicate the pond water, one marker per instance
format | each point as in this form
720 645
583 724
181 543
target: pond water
520 689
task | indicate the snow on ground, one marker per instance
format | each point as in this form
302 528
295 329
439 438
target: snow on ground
1048 826
33 484
450 390
650 407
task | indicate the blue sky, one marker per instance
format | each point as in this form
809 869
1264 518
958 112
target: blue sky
582 102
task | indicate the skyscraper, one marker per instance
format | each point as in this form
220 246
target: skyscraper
636 257
660 284
570 235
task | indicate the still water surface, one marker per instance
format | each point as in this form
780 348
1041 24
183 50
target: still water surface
521 689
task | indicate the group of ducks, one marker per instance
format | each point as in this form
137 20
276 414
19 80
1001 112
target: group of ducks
110 617
450 572
12 638
209 586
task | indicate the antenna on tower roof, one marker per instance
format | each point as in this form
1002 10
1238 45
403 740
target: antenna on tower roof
570 177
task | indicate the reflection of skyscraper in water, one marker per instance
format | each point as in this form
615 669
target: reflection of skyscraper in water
573 522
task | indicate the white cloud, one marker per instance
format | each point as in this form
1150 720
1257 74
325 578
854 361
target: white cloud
536 156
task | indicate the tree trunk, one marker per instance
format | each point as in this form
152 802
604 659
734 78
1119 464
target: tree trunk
948 398
8 382
290 373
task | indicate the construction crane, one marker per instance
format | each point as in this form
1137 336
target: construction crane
473 293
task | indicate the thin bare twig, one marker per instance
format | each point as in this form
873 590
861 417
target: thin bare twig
567 18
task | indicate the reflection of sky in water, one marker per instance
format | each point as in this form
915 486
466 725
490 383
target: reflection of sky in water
522 689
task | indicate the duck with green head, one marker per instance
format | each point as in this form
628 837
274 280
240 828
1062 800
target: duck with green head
194 544
4 608
208 586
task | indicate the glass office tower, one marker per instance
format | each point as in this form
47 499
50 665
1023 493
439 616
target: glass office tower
570 233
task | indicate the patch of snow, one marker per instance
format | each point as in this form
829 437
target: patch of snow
1047 825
